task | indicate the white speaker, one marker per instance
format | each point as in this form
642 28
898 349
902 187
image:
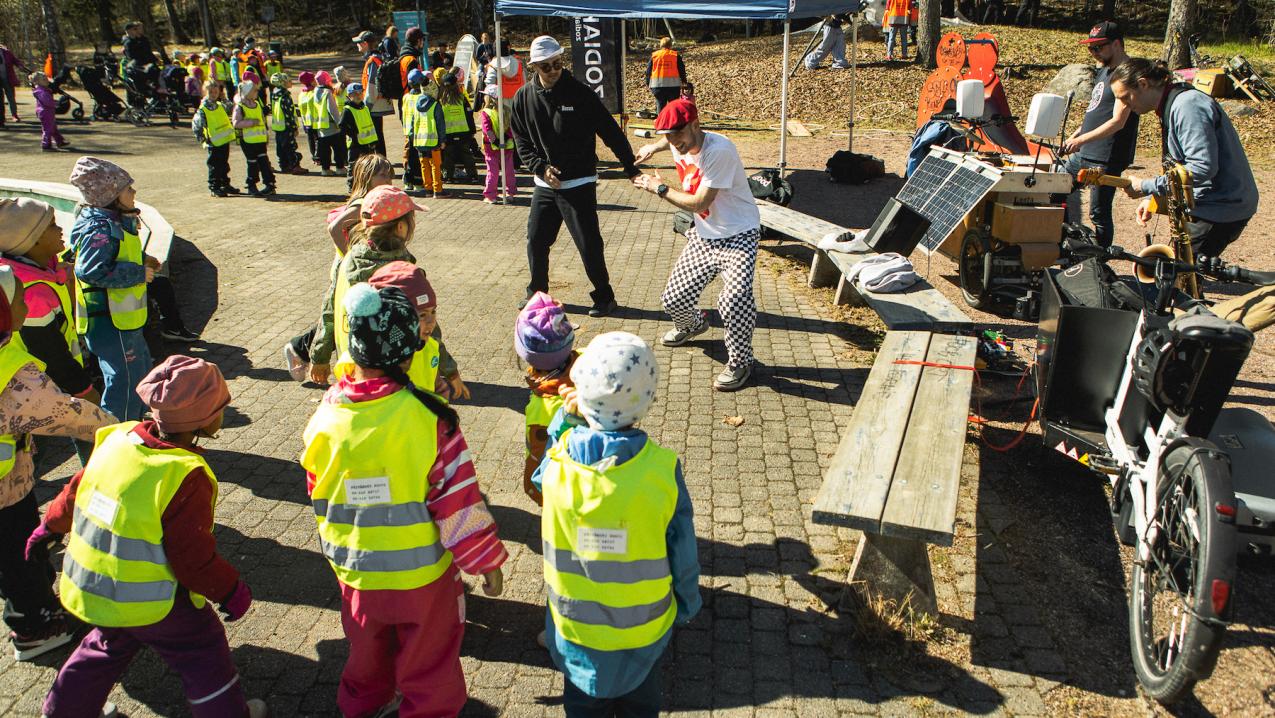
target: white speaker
969 99
1046 115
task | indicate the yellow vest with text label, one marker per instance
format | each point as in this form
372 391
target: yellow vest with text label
126 307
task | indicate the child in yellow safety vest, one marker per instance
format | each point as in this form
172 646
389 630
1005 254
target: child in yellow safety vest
458 128
141 564
214 130
498 145
616 515
283 120
543 338
306 111
359 130
250 122
379 447
426 125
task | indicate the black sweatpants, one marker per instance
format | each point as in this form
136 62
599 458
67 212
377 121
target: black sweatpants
258 161
219 166
578 207
27 586
378 121
312 138
332 151
665 95
301 343
457 153
285 150
1210 238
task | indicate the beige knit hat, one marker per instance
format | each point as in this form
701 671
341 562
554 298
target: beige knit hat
22 221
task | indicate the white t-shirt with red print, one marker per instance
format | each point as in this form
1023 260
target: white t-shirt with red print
718 166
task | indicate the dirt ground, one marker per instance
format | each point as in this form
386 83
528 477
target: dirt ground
1058 528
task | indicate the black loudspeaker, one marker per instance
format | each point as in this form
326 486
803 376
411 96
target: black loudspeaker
897 229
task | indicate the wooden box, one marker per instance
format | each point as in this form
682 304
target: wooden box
1214 83
1022 224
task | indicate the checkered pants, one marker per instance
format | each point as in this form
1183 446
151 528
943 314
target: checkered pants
735 258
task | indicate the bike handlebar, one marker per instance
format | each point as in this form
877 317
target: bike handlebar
1210 266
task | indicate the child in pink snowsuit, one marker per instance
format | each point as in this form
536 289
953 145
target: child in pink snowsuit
489 123
46 112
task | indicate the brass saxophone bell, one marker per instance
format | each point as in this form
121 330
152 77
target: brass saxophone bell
1145 275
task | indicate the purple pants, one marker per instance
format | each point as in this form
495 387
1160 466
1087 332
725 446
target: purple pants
191 641
492 188
49 128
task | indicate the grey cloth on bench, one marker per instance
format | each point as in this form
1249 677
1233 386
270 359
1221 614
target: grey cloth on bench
883 273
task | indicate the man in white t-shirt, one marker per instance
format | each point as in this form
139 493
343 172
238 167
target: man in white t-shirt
714 188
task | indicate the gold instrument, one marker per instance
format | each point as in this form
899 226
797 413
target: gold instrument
1178 202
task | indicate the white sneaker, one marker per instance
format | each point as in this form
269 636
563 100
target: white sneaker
732 379
257 708
297 369
677 337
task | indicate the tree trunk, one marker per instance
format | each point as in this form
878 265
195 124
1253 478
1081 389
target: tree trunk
927 34
206 20
105 19
1108 9
179 32
359 14
476 16
1181 25
54 33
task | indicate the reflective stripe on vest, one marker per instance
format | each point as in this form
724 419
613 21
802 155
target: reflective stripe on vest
664 69
320 118
126 307
454 119
256 134
368 497
277 120
363 121
115 572
306 111
603 530
13 356
493 117
218 130
425 127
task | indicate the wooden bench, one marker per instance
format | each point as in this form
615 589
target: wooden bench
896 473
156 233
919 307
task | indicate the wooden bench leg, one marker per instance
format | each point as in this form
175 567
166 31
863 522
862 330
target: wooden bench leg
893 568
823 272
847 294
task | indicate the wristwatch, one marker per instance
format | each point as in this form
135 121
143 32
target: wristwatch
661 191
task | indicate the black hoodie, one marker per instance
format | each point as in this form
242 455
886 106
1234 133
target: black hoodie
557 127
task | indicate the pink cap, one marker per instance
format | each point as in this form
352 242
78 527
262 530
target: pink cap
387 203
409 278
184 393
323 79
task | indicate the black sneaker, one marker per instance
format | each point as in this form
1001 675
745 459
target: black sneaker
180 334
269 190
56 633
219 192
253 191
231 190
602 310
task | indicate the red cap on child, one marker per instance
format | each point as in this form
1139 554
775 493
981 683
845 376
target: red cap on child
410 279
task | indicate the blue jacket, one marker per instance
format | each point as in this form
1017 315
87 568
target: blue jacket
609 674
1201 137
96 237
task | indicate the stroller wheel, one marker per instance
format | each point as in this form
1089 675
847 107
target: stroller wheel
77 114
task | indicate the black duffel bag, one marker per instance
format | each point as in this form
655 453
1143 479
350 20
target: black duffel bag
771 186
847 167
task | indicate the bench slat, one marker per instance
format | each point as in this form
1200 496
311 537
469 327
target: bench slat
922 501
798 225
919 307
857 484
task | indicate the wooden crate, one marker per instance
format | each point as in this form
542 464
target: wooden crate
1214 83
1025 224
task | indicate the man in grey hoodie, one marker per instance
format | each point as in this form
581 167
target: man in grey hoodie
1195 132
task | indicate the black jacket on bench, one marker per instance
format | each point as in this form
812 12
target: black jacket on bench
557 127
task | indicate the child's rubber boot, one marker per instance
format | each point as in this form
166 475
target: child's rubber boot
230 189
219 192
269 190
257 708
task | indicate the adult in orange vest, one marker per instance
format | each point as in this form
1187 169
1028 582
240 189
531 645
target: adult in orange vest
512 74
895 24
665 74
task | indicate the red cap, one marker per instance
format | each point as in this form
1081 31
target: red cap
410 279
675 115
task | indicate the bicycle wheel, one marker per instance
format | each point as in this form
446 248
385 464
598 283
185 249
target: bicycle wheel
1180 597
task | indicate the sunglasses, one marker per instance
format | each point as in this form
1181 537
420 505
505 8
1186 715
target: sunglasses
550 65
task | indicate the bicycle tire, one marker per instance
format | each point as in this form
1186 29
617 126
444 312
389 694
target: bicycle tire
1195 549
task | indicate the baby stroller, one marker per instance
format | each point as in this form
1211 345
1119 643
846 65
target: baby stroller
107 106
175 81
147 94
65 102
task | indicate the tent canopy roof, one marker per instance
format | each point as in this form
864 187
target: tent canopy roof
677 9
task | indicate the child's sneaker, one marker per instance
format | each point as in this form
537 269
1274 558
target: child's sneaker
219 192
257 708
109 710
50 148
231 190
297 369
55 634
253 191
269 190
179 334
329 173
677 337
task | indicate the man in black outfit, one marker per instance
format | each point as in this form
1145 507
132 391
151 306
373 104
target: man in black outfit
555 119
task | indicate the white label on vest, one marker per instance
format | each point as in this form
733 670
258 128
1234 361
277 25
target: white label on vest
602 540
103 508
364 492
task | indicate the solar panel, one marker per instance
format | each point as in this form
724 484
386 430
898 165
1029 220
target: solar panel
943 189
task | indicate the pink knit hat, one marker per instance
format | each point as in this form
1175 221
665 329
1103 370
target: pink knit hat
184 393
323 79
306 79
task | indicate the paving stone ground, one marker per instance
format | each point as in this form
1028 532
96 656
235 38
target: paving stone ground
770 641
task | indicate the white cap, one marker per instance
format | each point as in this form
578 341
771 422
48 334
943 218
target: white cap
543 48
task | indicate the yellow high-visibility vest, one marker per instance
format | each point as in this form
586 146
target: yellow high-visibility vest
13 356
363 121
258 133
606 567
126 307
503 142
218 129
115 572
369 459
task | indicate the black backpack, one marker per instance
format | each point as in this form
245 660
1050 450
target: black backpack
389 79
771 186
853 168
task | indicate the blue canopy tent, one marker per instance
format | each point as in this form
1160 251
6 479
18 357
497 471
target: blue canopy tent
688 10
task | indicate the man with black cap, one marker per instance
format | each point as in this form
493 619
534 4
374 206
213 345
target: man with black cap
713 186
378 105
1108 136
555 119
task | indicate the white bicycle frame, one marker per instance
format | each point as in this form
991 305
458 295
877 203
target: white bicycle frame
1142 475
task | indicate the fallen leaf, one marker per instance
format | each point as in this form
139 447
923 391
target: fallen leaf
733 421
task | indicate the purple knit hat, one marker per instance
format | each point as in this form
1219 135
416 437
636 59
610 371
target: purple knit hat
542 335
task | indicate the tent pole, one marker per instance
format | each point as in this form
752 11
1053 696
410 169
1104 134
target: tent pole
783 102
854 74
500 117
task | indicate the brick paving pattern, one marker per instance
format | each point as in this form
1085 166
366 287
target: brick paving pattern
769 642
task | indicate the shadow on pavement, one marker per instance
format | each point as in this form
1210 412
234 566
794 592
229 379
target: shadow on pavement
266 477
279 573
496 395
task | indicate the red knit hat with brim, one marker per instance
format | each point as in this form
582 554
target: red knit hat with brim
184 393
410 279
675 115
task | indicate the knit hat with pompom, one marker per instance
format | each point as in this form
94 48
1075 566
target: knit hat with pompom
384 329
